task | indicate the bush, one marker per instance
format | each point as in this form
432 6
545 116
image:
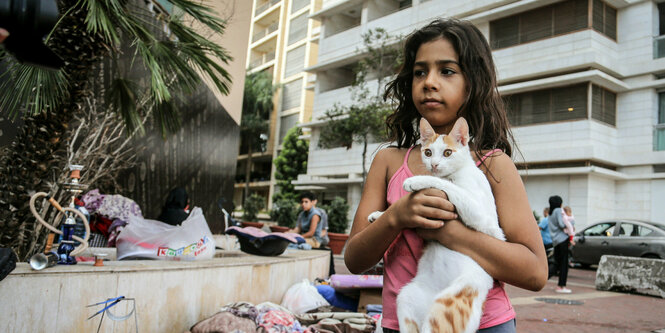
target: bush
252 206
284 212
337 215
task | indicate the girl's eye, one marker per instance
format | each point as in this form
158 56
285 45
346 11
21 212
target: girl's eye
447 152
418 73
428 153
447 71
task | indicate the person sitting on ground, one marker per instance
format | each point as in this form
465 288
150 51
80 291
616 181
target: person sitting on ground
175 209
308 224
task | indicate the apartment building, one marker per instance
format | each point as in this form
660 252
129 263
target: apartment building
283 41
584 81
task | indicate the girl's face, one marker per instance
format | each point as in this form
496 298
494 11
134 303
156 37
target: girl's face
439 87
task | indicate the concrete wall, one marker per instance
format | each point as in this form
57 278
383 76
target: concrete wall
170 296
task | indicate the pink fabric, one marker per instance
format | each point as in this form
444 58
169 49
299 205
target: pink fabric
401 264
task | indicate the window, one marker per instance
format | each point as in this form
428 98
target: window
659 129
553 20
634 230
291 95
547 105
298 28
602 229
287 122
659 41
603 105
605 19
297 5
295 61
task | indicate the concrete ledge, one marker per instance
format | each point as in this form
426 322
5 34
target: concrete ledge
631 274
170 295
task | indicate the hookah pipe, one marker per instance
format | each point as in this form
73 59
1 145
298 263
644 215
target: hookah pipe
66 250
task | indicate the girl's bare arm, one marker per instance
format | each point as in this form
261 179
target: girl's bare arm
521 260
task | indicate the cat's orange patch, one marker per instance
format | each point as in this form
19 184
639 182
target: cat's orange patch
451 314
431 140
450 142
411 326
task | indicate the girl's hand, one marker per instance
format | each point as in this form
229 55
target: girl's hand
449 232
3 34
426 209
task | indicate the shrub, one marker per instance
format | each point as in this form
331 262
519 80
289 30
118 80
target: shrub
337 211
284 212
251 208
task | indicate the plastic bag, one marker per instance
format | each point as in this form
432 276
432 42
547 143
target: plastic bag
302 297
192 240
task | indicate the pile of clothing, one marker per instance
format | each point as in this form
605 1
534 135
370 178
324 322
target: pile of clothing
270 317
109 213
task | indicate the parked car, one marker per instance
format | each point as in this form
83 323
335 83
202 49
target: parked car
619 237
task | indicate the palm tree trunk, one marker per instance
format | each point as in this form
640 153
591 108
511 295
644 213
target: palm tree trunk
248 169
365 138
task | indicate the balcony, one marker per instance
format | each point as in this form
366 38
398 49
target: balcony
263 59
339 46
659 47
263 7
265 32
570 52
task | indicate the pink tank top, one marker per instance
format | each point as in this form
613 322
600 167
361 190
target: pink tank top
401 264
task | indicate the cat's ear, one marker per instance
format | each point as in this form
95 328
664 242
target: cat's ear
426 130
460 131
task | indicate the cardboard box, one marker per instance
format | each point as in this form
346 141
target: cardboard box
369 296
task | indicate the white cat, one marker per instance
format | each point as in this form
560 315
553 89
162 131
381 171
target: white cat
448 293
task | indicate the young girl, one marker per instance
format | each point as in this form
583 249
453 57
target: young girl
448 73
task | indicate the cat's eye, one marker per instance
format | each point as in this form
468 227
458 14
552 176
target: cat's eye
428 153
447 152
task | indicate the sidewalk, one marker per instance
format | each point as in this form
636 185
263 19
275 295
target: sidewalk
599 311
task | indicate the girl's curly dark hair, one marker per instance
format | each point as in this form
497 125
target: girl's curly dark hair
483 108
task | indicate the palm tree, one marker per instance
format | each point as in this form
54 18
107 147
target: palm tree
257 103
128 37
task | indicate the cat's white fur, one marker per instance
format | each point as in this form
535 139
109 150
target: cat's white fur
444 273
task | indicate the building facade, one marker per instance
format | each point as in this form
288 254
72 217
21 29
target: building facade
584 81
282 41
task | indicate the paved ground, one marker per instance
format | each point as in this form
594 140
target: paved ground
599 311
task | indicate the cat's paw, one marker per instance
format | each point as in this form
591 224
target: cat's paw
374 216
412 184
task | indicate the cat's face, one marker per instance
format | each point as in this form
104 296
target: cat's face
444 154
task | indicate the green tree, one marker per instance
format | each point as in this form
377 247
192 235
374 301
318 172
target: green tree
257 103
337 211
162 67
363 120
291 162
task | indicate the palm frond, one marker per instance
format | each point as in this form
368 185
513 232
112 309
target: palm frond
32 88
167 117
201 13
122 100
